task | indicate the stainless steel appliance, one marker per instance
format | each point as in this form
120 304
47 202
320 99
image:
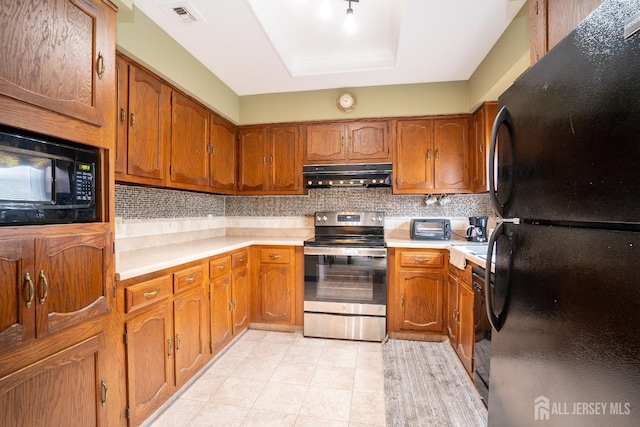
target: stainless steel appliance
430 229
345 277
478 230
347 175
45 180
565 307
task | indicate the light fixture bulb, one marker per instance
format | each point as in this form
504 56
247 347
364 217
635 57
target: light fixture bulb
350 21
325 10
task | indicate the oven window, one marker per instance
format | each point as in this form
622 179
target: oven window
345 278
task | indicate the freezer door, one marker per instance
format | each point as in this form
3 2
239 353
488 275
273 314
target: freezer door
568 140
568 351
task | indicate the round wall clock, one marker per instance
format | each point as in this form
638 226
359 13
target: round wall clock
347 101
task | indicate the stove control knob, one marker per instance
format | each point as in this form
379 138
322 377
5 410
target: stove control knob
319 182
309 182
330 182
362 181
373 180
379 219
373 219
318 218
324 218
341 181
351 182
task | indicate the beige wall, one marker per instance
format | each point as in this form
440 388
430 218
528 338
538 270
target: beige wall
142 40
507 60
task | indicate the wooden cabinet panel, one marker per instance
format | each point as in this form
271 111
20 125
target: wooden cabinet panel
223 156
451 162
480 139
122 102
252 156
67 388
150 361
275 255
412 165
191 334
434 259
148 292
368 142
420 295
17 293
325 143
275 293
451 308
66 57
189 144
189 278
466 335
285 160
221 306
219 266
240 298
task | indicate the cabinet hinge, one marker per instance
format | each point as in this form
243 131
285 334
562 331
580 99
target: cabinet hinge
126 338
210 346
127 412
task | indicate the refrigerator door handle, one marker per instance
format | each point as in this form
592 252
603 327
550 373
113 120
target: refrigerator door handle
494 320
502 118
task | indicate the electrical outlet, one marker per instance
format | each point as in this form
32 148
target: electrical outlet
118 224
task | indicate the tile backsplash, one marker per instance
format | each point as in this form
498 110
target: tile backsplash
134 202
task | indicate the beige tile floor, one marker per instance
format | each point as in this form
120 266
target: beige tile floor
284 379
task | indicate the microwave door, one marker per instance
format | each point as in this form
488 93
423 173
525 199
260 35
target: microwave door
25 179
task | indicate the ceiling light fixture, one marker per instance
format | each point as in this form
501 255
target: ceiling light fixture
350 22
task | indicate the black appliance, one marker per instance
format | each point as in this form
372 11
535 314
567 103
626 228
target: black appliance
345 277
482 333
45 180
430 229
565 304
478 230
347 175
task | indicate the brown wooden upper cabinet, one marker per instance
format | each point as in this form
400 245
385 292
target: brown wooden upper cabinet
269 160
223 155
144 125
551 20
479 141
190 148
355 142
431 155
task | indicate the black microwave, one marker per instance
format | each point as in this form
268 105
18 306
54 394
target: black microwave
45 180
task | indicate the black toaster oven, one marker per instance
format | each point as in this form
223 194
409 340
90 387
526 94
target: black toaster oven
430 229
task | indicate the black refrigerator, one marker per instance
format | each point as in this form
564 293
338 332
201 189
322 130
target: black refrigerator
565 301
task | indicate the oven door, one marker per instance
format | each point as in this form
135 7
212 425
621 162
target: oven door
345 280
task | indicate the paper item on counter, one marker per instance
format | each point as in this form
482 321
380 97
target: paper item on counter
457 259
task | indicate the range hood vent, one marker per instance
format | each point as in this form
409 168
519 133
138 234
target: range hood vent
347 175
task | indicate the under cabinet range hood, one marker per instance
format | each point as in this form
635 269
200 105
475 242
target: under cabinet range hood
347 175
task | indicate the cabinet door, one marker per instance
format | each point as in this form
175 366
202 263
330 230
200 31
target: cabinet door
451 156
466 331
191 334
325 144
64 389
223 156
285 165
451 310
414 153
240 298
148 125
368 142
252 160
56 56
17 293
221 306
150 349
71 280
122 81
275 293
420 298
480 139
189 143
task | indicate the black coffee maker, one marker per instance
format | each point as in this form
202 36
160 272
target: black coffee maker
478 230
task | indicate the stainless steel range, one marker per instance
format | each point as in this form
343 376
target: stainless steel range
345 277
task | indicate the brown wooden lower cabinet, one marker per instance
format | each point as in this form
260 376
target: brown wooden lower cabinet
415 302
274 292
460 315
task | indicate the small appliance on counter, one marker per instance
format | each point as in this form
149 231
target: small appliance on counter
478 230
430 229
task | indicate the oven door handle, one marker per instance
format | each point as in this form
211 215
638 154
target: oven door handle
316 250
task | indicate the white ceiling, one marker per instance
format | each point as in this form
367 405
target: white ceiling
271 46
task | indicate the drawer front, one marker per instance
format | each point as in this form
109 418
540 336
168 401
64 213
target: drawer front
424 259
146 293
219 266
188 278
239 260
275 256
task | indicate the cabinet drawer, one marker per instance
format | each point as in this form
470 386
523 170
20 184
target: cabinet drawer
239 260
275 256
219 266
145 293
188 278
425 259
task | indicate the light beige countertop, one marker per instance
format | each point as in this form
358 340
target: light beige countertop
137 262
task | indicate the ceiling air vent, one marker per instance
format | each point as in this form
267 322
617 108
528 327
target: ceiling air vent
183 12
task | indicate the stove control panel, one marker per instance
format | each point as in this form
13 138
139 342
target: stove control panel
360 219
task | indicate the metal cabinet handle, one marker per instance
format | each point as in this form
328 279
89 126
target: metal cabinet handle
422 259
105 392
235 304
402 300
191 279
100 65
31 288
45 287
274 256
170 347
437 154
178 342
264 159
241 259
288 293
123 116
222 266
230 305
151 294
132 120
428 154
